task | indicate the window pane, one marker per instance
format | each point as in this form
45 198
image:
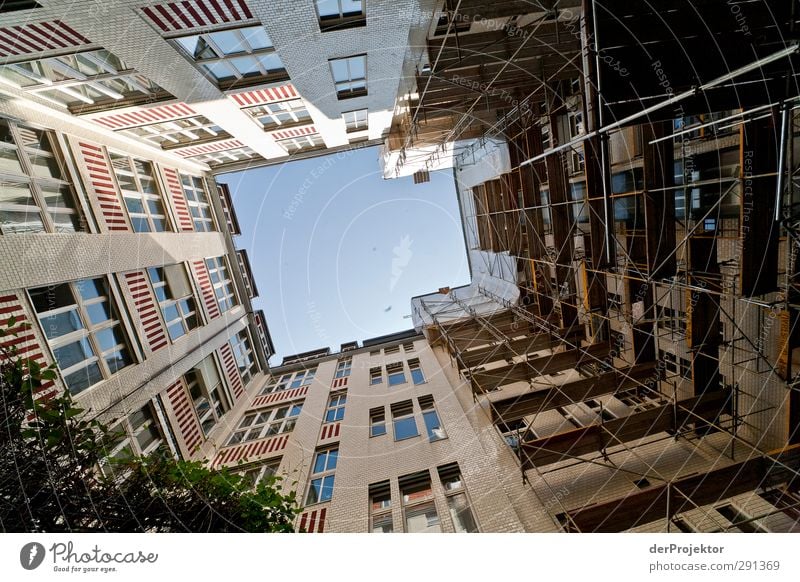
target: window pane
382 524
378 429
416 376
314 491
82 379
45 166
432 425
118 360
21 221
352 7
339 69
398 378
319 464
327 488
91 288
9 161
73 353
247 66
405 428
98 312
219 71
57 325
271 62
358 67
423 519
328 8
333 457
257 37
49 298
463 521
15 193
228 41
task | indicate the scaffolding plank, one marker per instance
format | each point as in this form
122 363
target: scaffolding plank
517 407
518 347
597 437
523 371
683 494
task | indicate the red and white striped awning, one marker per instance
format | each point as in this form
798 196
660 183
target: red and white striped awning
209 148
188 14
262 96
39 37
147 116
294 132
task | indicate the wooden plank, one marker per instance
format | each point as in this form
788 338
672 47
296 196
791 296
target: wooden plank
683 494
517 407
518 347
524 371
596 437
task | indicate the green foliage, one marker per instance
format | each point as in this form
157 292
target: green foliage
50 456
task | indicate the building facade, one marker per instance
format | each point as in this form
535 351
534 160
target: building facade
230 85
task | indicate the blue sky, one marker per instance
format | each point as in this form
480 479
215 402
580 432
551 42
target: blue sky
337 251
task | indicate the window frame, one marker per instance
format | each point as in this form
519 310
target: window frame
201 211
139 194
129 434
457 492
325 477
430 416
336 405
247 371
342 20
185 314
380 509
356 125
217 406
398 371
261 471
415 484
89 331
375 375
344 367
36 184
403 412
224 286
258 424
141 89
377 422
296 106
221 58
416 373
349 93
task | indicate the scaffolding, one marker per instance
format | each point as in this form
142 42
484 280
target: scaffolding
656 266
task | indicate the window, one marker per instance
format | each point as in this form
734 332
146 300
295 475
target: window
375 376
284 113
302 142
374 353
175 297
377 422
205 388
416 372
343 368
513 431
405 426
380 508
339 14
395 373
335 409
321 487
355 120
266 423
303 378
419 509
137 183
135 435
179 132
221 280
350 76
14 5
457 502
234 57
35 195
289 380
83 82
265 471
243 353
432 424
408 347
82 327
197 200
392 350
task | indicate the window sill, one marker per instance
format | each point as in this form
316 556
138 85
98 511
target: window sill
351 95
397 440
343 23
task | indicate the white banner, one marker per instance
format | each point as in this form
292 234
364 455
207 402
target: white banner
401 557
